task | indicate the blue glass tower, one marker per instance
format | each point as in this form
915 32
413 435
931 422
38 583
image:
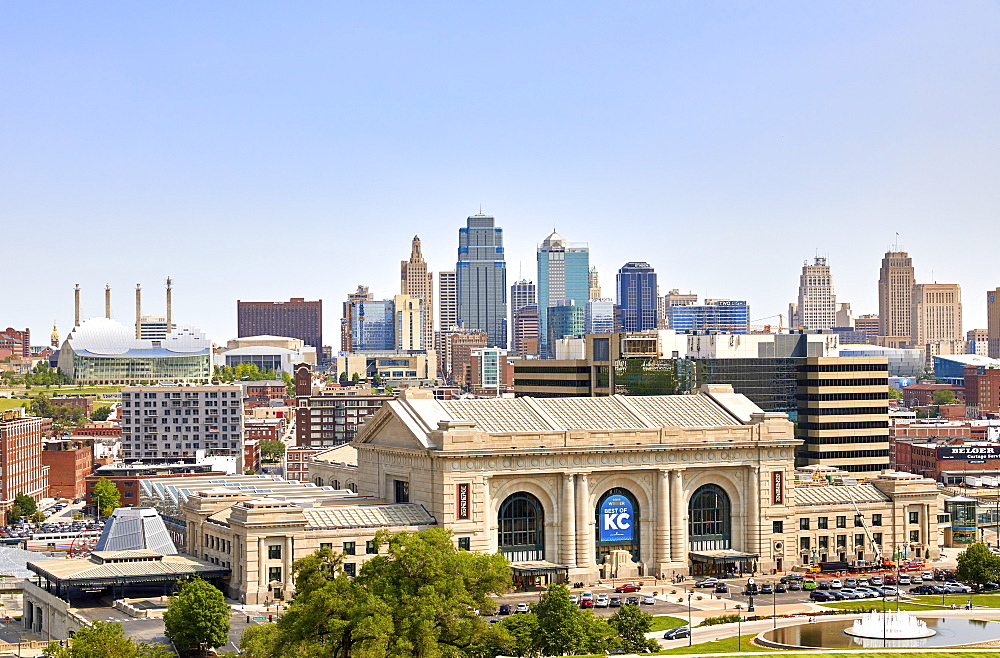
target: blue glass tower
563 273
723 315
481 279
637 296
372 326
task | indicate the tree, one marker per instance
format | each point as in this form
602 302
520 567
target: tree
564 628
271 449
355 378
376 379
977 564
895 394
100 413
106 497
198 616
289 384
344 378
105 640
632 624
24 507
945 397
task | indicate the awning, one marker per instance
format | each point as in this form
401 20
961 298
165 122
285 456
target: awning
724 555
537 567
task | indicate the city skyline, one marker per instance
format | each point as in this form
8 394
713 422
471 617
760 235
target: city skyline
749 138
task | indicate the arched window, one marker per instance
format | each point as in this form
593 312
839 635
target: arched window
522 528
350 486
319 482
617 524
335 484
710 519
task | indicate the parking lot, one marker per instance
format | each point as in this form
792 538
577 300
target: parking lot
658 607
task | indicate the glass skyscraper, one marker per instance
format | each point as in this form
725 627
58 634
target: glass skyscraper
722 315
563 273
481 279
637 299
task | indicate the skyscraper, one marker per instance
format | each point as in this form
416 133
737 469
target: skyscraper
347 322
417 282
993 323
937 313
671 299
563 273
564 319
599 316
722 315
408 323
637 296
816 307
522 294
447 301
595 284
481 279
295 318
895 299
525 331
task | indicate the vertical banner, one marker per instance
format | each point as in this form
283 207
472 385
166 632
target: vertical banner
462 501
778 487
616 519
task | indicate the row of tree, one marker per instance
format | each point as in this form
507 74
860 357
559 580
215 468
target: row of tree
41 375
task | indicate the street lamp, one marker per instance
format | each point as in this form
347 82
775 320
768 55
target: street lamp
751 587
774 605
690 623
739 631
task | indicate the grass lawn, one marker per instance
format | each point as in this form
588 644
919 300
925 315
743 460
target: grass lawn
68 389
10 404
890 605
666 622
984 600
725 645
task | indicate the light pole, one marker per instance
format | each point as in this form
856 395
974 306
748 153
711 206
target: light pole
774 605
690 623
739 631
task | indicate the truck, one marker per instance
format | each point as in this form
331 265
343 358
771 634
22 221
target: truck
972 481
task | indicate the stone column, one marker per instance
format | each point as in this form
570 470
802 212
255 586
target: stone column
567 515
584 522
678 517
261 567
752 520
489 520
663 516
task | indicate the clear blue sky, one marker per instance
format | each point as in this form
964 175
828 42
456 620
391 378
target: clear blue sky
262 150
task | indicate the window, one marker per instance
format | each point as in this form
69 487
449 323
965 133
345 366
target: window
804 543
709 519
914 536
803 524
876 519
521 531
348 548
350 569
323 545
824 542
841 521
859 540
465 543
777 527
841 541
371 548
402 491
914 517
877 538
274 552
859 521
823 523
274 574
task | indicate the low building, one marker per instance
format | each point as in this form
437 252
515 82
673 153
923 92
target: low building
982 391
70 461
297 462
328 416
922 394
127 478
336 468
948 460
84 403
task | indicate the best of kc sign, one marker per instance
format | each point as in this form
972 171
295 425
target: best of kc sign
617 520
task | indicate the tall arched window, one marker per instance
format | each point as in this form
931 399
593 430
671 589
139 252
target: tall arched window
617 532
522 528
710 519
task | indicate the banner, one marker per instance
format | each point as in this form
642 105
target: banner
616 519
969 452
462 501
778 487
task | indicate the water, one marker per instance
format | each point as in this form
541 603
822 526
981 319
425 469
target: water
949 632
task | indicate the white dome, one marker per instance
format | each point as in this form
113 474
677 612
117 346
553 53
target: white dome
102 336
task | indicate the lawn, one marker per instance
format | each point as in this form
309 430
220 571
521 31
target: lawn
725 645
982 600
67 389
6 403
877 604
666 622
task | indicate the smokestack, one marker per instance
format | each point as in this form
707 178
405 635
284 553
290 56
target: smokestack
107 300
76 300
138 310
170 306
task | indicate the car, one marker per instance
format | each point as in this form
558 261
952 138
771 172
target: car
587 595
615 602
863 582
986 587
792 577
708 582
890 590
823 584
818 596
927 575
677 633
891 580
851 582
766 588
836 584
962 589
601 601
504 609
837 596
795 586
648 600
904 580
574 599
922 589
586 603
849 593
632 600
916 578
780 588
867 592
721 588
877 581
625 589
808 585
521 607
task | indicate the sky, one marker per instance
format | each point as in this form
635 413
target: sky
262 151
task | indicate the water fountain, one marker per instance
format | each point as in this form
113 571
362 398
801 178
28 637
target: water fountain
892 625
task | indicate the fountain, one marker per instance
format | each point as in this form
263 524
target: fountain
893 625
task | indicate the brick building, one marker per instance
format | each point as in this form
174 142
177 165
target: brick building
84 403
948 460
264 390
18 342
922 393
126 477
982 391
70 461
21 468
330 416
295 318
297 460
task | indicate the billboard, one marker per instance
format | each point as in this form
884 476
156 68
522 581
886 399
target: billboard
969 452
616 518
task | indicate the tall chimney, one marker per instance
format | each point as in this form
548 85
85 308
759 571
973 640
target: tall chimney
107 300
76 306
170 306
138 310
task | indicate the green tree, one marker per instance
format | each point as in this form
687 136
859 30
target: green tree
945 397
895 394
344 378
198 615
563 628
355 378
23 508
289 384
100 413
105 640
977 564
376 379
107 497
517 636
632 624
271 449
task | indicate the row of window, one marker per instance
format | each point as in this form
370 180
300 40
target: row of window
565 383
188 395
845 454
873 381
849 425
830 440
843 411
823 522
834 397
846 367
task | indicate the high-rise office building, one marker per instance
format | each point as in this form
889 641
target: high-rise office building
869 326
565 319
417 282
522 294
637 298
295 318
937 313
816 307
347 317
671 299
525 331
563 273
368 324
447 300
595 284
481 279
993 322
408 323
895 299
599 316
721 315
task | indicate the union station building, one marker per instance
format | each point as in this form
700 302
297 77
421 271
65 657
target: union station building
576 489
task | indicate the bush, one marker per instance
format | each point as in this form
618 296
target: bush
725 619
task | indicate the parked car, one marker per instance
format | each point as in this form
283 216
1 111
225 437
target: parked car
587 595
708 582
521 607
615 602
851 582
890 590
927 575
648 600
601 601
721 588
823 584
586 603
808 585
632 600
877 580
677 633
504 609
922 589
849 593
792 577
795 586
836 584
624 589
916 578
574 599
904 580
766 588
781 588
863 582
891 580
818 596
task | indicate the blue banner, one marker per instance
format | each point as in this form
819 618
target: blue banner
616 519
